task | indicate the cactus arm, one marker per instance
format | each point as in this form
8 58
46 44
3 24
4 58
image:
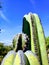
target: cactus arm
41 40
32 58
19 58
28 19
9 58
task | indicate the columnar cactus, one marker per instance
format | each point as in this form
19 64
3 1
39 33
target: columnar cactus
41 39
32 24
27 29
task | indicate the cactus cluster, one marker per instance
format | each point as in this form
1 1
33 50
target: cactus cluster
21 55
29 46
36 35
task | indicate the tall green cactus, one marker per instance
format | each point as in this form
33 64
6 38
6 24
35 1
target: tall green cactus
27 28
41 39
33 28
30 29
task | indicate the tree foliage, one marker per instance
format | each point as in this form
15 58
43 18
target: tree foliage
47 42
4 50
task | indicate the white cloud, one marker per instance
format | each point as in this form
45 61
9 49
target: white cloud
3 16
6 42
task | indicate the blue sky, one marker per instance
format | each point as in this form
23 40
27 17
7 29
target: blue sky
11 16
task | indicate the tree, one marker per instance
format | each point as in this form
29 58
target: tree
4 50
47 42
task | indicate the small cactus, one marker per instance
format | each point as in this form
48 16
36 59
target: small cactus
21 42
